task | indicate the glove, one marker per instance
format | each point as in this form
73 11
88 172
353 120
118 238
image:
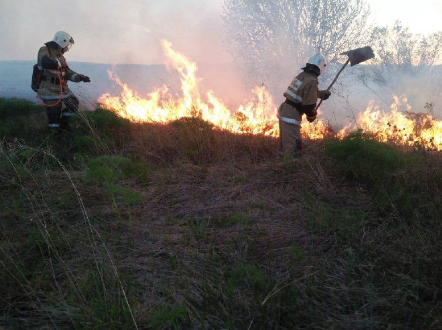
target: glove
85 78
326 94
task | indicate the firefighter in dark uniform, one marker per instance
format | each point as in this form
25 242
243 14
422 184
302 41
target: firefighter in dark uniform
301 97
58 99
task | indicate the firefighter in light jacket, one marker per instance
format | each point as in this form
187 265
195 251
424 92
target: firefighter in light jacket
58 99
301 97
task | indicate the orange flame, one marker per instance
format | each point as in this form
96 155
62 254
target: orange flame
255 117
258 116
402 128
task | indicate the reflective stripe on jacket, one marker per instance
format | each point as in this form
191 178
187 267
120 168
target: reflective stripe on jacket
303 89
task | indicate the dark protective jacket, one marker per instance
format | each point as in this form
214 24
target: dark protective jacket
54 79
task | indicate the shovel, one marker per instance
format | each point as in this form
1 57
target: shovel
355 56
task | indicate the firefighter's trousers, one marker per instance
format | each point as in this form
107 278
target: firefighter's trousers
60 114
290 141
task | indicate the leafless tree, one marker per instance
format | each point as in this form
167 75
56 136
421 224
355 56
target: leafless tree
268 37
400 52
406 64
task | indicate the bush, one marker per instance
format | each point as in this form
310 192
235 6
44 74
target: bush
365 159
195 138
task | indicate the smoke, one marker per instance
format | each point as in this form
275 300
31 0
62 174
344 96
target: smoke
114 31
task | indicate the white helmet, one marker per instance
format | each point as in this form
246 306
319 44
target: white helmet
319 61
63 39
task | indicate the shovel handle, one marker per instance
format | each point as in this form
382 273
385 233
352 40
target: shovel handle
334 80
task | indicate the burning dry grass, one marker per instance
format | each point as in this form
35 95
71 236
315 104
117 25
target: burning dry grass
258 116
408 129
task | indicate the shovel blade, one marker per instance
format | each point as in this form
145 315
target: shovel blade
359 55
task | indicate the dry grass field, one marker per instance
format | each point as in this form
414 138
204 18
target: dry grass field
117 225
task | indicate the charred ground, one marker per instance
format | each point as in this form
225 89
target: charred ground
121 226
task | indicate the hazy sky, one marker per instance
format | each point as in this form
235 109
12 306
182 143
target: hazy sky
113 31
118 31
422 16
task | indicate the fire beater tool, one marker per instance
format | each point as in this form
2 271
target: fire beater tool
355 56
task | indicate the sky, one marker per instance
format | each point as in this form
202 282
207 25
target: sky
117 31
423 16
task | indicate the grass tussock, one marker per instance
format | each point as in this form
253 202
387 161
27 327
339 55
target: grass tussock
119 225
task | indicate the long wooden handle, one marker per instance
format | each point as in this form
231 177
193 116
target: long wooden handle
334 80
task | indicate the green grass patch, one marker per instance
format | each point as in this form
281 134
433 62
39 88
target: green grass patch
365 159
20 119
344 224
13 108
168 318
103 121
244 274
110 169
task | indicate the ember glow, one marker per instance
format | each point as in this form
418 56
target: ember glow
258 116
